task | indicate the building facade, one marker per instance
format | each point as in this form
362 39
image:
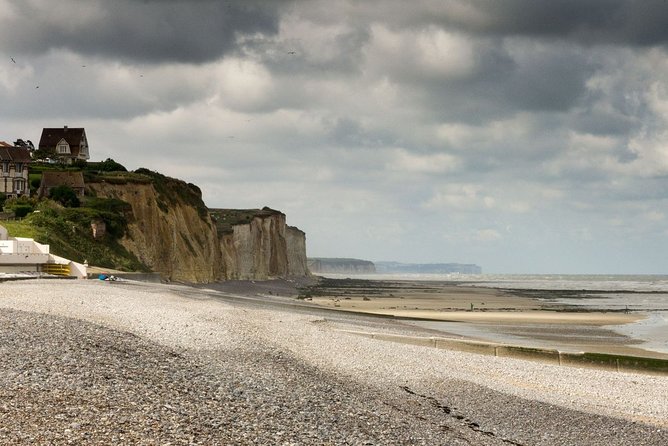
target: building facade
14 163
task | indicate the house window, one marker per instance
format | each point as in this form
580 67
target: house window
19 186
19 168
62 148
5 166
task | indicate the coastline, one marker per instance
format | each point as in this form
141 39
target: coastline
266 375
499 316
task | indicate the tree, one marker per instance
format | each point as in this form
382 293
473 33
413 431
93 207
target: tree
27 144
65 195
109 165
41 154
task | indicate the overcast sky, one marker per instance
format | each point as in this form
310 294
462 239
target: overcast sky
521 135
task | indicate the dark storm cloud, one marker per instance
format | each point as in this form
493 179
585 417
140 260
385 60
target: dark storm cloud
143 30
546 79
633 22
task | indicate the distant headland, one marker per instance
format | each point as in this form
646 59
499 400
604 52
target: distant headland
326 265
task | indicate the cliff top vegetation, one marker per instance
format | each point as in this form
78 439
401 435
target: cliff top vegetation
226 219
65 223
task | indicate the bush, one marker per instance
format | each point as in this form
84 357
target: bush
65 195
108 204
21 210
21 206
109 165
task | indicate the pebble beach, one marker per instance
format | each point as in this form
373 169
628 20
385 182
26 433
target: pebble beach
93 362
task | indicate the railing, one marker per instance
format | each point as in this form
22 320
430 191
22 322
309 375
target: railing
57 269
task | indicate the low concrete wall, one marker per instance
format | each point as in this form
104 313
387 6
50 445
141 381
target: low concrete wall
530 353
480 348
601 361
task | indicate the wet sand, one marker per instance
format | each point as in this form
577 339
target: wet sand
485 314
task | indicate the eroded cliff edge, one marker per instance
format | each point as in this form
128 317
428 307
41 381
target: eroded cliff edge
257 244
173 233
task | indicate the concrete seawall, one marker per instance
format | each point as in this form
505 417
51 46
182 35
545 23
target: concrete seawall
602 361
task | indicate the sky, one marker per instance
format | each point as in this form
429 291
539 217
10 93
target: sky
524 136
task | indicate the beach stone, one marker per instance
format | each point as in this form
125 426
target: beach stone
140 364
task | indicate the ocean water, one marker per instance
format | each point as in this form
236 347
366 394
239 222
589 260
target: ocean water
646 294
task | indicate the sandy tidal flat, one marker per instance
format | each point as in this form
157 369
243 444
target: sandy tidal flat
487 314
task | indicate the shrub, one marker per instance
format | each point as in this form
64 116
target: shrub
22 210
65 195
109 165
21 206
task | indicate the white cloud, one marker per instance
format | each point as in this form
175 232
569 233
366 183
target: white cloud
7 11
519 207
460 197
404 161
487 235
429 52
242 84
655 216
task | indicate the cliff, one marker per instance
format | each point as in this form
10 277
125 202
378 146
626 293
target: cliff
168 232
340 266
171 231
428 268
257 244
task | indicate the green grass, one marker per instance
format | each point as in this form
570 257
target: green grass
68 233
68 230
226 219
24 228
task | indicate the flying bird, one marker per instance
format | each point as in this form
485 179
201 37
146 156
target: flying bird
292 52
12 59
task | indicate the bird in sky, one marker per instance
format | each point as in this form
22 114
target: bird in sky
292 52
12 59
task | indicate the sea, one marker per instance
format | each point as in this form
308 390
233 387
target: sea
646 294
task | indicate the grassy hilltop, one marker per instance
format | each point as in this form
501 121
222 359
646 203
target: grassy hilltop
65 224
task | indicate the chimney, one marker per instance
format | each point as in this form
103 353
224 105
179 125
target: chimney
65 128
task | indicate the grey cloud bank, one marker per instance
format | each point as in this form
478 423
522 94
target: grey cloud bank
524 136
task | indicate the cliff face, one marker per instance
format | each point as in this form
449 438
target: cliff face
257 244
172 238
341 266
296 245
173 233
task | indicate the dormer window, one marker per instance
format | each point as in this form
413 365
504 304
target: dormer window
19 167
63 148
